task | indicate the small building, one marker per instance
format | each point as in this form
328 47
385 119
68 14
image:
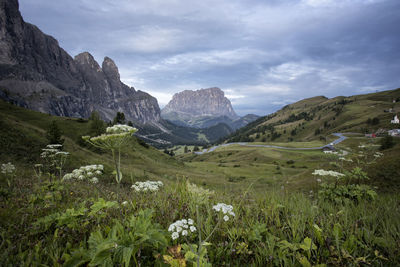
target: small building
394 132
395 120
372 135
329 147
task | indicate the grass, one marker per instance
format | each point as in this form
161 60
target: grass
278 221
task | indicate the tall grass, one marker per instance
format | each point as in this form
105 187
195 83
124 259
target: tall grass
276 228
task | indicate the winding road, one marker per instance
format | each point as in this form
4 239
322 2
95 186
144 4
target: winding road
337 141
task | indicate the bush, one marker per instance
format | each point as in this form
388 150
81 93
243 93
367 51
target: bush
341 194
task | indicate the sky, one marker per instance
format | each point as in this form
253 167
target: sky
263 54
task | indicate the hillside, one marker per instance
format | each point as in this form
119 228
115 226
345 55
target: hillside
317 117
22 137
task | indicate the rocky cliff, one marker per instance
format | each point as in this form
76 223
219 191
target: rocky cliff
203 102
36 73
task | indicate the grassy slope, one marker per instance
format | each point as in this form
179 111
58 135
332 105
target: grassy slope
264 226
23 136
339 114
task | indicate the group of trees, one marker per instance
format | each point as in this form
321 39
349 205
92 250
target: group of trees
97 127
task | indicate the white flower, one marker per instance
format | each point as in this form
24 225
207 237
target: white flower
7 168
226 218
174 235
147 186
319 180
85 173
119 128
125 203
225 209
190 221
324 173
181 226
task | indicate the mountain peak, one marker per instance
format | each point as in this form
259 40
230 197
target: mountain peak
85 58
110 69
203 102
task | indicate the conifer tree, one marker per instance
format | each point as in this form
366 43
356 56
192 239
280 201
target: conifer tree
54 134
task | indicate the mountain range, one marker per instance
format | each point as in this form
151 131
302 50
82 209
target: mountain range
36 73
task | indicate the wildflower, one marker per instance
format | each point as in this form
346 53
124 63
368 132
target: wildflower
7 168
319 180
119 128
179 227
151 186
225 209
85 172
175 235
125 203
330 173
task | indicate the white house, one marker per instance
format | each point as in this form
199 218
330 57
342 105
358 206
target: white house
395 120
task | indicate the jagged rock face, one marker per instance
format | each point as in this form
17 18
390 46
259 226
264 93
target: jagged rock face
36 73
203 102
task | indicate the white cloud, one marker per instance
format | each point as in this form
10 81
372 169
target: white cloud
212 58
162 97
148 39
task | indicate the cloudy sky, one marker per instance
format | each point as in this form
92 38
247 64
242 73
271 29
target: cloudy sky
263 54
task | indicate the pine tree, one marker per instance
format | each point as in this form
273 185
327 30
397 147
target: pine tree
54 134
119 118
97 125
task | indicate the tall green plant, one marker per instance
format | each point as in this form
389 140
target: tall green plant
114 139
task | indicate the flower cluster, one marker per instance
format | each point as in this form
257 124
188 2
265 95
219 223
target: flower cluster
183 227
151 186
378 154
88 172
330 173
119 128
344 159
52 151
225 209
7 168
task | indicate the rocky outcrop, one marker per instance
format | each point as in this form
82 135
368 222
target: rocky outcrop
203 102
200 109
36 73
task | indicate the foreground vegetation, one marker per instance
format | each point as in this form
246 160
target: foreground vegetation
76 223
76 205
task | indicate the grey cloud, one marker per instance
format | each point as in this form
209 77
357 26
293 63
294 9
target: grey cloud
267 52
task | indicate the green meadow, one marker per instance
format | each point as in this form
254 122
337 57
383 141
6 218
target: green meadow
278 210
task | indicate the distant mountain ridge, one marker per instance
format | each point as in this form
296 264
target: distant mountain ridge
36 73
203 108
318 117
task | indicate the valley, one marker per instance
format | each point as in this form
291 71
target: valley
95 173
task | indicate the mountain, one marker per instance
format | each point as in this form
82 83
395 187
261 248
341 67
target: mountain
36 73
202 109
243 121
318 117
